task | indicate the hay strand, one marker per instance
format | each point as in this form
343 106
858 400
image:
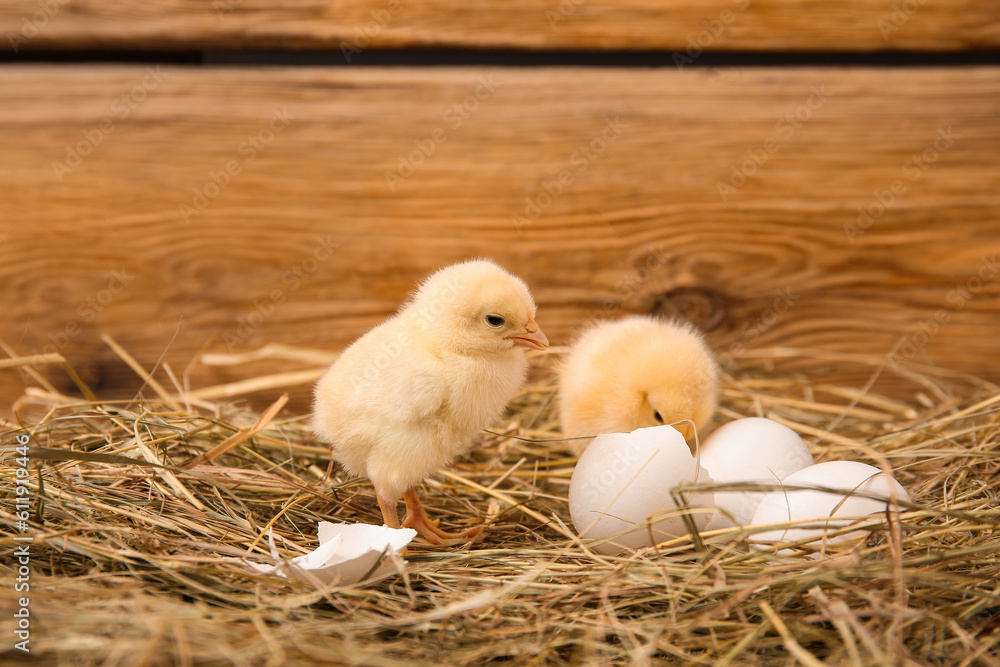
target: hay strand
237 439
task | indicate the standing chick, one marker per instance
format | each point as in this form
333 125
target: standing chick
406 398
633 373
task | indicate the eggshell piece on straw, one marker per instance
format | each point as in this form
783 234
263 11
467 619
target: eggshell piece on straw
347 553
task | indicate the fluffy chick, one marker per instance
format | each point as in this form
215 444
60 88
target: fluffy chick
636 372
406 398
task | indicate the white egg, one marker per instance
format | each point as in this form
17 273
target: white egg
623 479
753 450
826 509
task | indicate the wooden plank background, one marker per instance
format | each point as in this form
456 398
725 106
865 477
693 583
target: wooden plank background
667 25
259 206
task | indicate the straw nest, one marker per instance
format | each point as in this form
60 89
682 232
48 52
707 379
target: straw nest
139 564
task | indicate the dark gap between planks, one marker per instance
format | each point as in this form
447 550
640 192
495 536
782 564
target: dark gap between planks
503 58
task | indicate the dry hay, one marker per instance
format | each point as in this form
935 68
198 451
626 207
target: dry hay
134 564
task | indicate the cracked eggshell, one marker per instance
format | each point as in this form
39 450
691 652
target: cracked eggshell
750 450
347 553
622 479
826 509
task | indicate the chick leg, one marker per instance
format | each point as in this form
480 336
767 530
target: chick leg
416 518
390 516
389 513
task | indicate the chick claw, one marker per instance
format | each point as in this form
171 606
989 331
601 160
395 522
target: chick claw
416 518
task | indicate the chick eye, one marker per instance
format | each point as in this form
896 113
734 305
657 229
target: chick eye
495 321
657 416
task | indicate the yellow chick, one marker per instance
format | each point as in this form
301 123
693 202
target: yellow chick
636 372
406 398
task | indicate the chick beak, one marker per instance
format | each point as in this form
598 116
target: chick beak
532 337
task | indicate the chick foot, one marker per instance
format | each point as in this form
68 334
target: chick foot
416 518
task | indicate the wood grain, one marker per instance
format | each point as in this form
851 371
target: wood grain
313 241
351 25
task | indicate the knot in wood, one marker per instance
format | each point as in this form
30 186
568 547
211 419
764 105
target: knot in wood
703 307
